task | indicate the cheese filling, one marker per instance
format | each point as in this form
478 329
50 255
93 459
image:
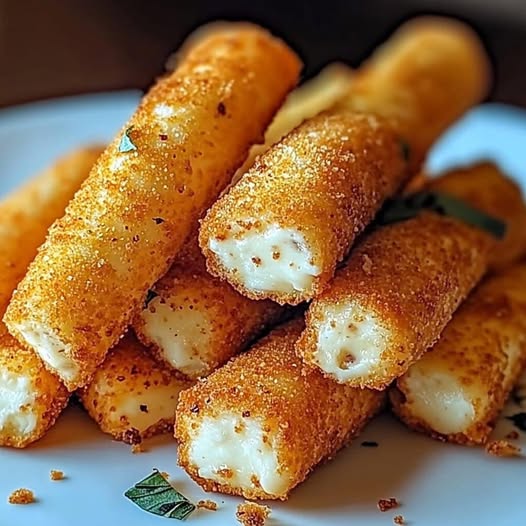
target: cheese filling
236 451
273 260
350 342
181 334
17 397
50 348
439 400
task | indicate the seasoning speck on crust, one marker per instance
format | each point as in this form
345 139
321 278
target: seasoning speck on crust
21 496
252 514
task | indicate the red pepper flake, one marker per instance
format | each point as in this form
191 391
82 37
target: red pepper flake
221 108
163 136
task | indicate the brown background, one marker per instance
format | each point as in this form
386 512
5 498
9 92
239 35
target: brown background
50 48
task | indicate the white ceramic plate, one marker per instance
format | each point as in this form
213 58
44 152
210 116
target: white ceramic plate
437 484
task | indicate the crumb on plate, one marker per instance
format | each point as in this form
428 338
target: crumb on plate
21 496
387 504
398 519
512 435
55 474
502 448
207 505
137 448
165 475
252 514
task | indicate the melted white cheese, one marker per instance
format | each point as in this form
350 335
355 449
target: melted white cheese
439 400
232 450
273 260
17 397
350 342
181 334
50 348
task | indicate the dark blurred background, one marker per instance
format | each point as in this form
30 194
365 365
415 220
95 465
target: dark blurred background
51 48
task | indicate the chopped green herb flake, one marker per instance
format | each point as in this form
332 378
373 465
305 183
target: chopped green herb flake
519 420
443 204
151 295
126 144
156 495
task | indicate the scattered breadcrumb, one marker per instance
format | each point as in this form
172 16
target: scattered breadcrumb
502 448
207 505
512 435
137 448
165 474
252 514
55 474
387 504
21 496
398 519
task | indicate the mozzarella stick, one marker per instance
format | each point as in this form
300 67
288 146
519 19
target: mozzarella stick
31 398
194 322
131 396
401 285
427 74
457 389
123 229
281 231
260 424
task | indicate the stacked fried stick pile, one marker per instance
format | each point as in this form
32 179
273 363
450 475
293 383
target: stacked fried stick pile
202 236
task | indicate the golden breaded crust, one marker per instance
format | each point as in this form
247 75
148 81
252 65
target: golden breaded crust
124 227
311 416
51 397
476 184
427 74
122 380
411 276
474 349
233 320
326 179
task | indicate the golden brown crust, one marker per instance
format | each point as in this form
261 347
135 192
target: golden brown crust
429 72
21 496
326 179
419 271
233 320
475 350
124 227
477 184
128 373
310 417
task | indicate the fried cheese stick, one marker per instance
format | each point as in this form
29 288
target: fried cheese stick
131 396
31 398
281 231
457 389
402 284
123 229
195 322
259 425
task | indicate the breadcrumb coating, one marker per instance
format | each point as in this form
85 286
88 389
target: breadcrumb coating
31 397
304 417
402 284
323 181
131 396
21 496
320 185
124 227
252 514
196 323
427 74
502 448
457 389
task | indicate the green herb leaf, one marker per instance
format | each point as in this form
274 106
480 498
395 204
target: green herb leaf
519 420
443 204
126 144
150 295
156 495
